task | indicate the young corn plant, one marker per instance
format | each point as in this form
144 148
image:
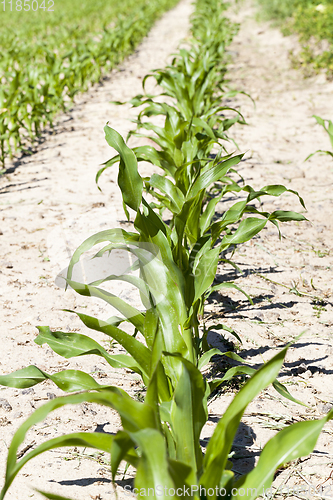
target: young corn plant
195 175
196 237
194 118
176 271
176 275
176 265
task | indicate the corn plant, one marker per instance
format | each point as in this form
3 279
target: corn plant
328 127
194 232
176 277
195 174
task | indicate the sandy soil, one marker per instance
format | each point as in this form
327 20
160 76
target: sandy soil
49 203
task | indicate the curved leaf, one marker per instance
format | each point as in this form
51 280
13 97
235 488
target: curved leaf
134 415
129 179
136 349
212 175
220 443
71 344
246 230
67 380
295 441
152 472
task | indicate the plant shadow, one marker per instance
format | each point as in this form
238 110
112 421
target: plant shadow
290 368
242 457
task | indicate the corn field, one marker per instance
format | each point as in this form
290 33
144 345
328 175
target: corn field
177 237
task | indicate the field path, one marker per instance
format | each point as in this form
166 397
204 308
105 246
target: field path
49 203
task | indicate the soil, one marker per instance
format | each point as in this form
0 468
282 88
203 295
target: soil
49 204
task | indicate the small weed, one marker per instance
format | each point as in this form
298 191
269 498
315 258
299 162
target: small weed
322 253
318 307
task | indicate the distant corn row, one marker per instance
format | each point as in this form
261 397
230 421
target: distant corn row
313 21
39 78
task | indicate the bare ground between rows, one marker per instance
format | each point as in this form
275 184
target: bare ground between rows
50 204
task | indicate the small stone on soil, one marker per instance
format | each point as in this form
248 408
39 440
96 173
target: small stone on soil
5 405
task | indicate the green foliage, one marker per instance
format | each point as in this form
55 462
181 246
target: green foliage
313 21
189 151
280 9
194 118
328 127
66 51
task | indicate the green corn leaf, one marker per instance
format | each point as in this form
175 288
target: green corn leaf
192 228
220 443
129 179
231 216
207 356
198 122
120 447
281 389
328 128
212 175
295 441
181 475
67 380
188 415
205 272
21 379
231 373
152 471
151 327
227 329
107 164
319 151
285 216
116 236
208 214
143 153
229 285
52 496
243 369
133 280
159 369
134 415
131 313
175 196
246 230
72 344
277 190
136 349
